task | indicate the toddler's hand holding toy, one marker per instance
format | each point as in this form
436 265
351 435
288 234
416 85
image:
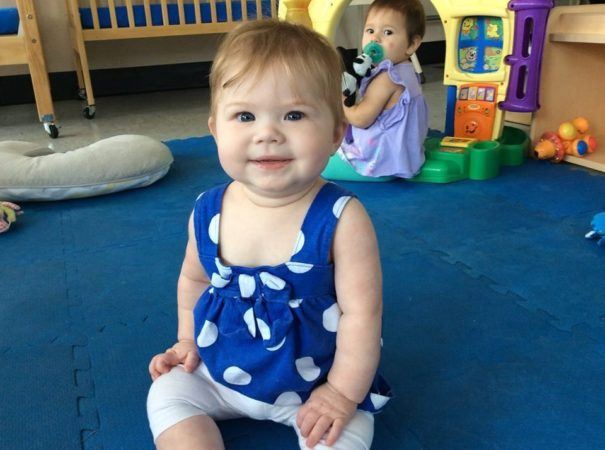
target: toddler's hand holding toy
183 352
361 66
326 412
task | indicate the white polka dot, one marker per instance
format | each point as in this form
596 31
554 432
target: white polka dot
295 303
339 205
235 375
264 329
218 281
381 342
211 290
223 270
330 318
307 369
378 400
249 319
272 281
208 335
213 228
300 242
288 399
278 346
247 285
298 267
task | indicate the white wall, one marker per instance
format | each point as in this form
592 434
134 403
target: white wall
53 23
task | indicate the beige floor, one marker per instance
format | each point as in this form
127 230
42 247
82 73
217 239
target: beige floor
161 115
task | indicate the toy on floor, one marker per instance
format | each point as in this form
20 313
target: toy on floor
8 214
571 138
598 229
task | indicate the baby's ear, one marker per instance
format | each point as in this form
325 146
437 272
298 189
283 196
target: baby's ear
416 41
212 126
339 134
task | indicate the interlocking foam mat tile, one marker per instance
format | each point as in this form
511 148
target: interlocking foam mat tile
34 301
558 272
472 368
44 396
493 325
557 190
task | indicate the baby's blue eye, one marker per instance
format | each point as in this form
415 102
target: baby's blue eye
294 115
388 32
370 30
245 116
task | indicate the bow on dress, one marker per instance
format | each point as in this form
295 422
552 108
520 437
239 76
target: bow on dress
267 312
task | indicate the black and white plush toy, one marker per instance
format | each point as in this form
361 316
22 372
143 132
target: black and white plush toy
355 69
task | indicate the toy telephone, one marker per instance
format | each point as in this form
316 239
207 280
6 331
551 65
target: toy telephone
476 111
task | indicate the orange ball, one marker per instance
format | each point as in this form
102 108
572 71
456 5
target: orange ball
581 124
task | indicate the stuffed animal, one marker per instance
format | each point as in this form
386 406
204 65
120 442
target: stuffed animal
572 138
355 69
598 229
8 214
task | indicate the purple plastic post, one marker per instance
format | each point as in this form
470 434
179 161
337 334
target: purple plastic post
526 60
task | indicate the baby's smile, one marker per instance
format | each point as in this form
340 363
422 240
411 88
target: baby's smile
271 162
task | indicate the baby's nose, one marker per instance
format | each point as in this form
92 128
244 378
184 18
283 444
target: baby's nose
268 133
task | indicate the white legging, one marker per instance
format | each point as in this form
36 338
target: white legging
178 395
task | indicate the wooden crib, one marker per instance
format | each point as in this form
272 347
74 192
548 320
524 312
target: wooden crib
26 48
126 19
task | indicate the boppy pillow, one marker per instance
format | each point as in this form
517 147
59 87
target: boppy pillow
31 172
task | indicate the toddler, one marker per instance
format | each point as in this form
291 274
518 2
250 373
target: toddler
279 295
390 122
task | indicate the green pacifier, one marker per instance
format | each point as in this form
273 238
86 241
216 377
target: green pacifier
374 50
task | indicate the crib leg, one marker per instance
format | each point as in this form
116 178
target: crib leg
37 66
84 82
418 68
85 91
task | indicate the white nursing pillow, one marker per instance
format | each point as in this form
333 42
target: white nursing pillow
31 172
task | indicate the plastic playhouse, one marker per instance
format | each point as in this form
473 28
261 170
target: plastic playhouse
492 65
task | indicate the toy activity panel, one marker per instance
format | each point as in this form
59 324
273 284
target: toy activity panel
476 110
480 44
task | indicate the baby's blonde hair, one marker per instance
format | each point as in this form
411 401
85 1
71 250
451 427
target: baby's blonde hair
304 56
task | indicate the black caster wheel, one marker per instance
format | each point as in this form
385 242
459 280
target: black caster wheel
52 130
89 112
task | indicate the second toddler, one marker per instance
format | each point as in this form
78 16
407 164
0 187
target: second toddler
390 122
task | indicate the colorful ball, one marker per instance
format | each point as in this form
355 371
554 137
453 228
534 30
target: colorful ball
567 131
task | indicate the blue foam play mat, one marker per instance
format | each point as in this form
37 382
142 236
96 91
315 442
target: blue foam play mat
494 320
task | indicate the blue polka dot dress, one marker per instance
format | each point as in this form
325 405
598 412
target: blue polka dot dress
269 332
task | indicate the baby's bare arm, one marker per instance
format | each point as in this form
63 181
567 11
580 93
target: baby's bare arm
358 279
374 101
358 289
192 282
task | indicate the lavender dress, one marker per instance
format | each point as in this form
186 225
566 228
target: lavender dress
393 144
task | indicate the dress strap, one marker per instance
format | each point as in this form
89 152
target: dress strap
317 233
206 218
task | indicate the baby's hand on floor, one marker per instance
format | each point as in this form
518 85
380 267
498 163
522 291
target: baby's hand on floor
327 412
183 352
